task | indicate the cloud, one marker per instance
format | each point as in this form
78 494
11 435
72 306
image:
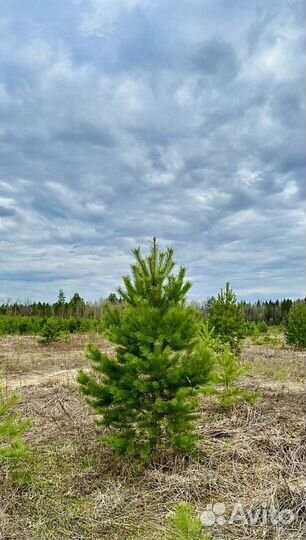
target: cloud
218 60
126 119
100 16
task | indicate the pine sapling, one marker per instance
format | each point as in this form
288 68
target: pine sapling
227 319
225 380
295 330
13 451
50 332
147 395
184 525
209 337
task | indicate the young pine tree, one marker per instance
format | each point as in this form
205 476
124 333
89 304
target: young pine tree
227 319
184 525
295 330
50 331
13 451
209 338
60 305
225 380
227 372
147 395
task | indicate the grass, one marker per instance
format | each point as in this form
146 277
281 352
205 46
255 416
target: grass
81 491
274 364
20 355
274 337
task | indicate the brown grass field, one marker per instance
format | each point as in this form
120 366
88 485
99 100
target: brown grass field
253 455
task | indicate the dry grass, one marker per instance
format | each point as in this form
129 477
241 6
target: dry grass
24 361
80 490
24 354
274 363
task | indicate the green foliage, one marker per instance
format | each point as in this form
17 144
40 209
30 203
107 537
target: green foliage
274 336
19 325
183 525
270 312
113 299
13 451
50 332
209 338
225 378
227 319
251 329
61 300
259 332
76 306
254 330
227 371
64 336
12 325
148 393
295 331
262 327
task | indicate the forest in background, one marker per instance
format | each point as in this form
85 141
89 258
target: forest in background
272 312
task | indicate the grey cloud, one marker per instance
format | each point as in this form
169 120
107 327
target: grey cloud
85 134
6 212
106 141
217 59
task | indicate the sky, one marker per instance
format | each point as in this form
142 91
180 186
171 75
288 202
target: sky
125 119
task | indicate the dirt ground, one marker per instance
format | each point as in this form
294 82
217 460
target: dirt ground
251 455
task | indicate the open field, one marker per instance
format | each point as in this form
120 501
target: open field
253 455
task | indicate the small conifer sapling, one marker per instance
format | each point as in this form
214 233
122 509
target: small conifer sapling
227 319
147 395
225 380
13 450
185 525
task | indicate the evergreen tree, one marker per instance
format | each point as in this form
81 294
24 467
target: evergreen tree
295 330
13 450
225 378
61 300
59 306
76 305
226 317
113 298
209 338
148 393
50 332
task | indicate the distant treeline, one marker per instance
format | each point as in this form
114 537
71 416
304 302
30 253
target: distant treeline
271 312
76 307
268 311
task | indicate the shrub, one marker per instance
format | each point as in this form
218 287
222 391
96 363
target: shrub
15 324
13 451
183 525
251 329
72 325
295 330
227 319
148 393
25 325
262 327
64 336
